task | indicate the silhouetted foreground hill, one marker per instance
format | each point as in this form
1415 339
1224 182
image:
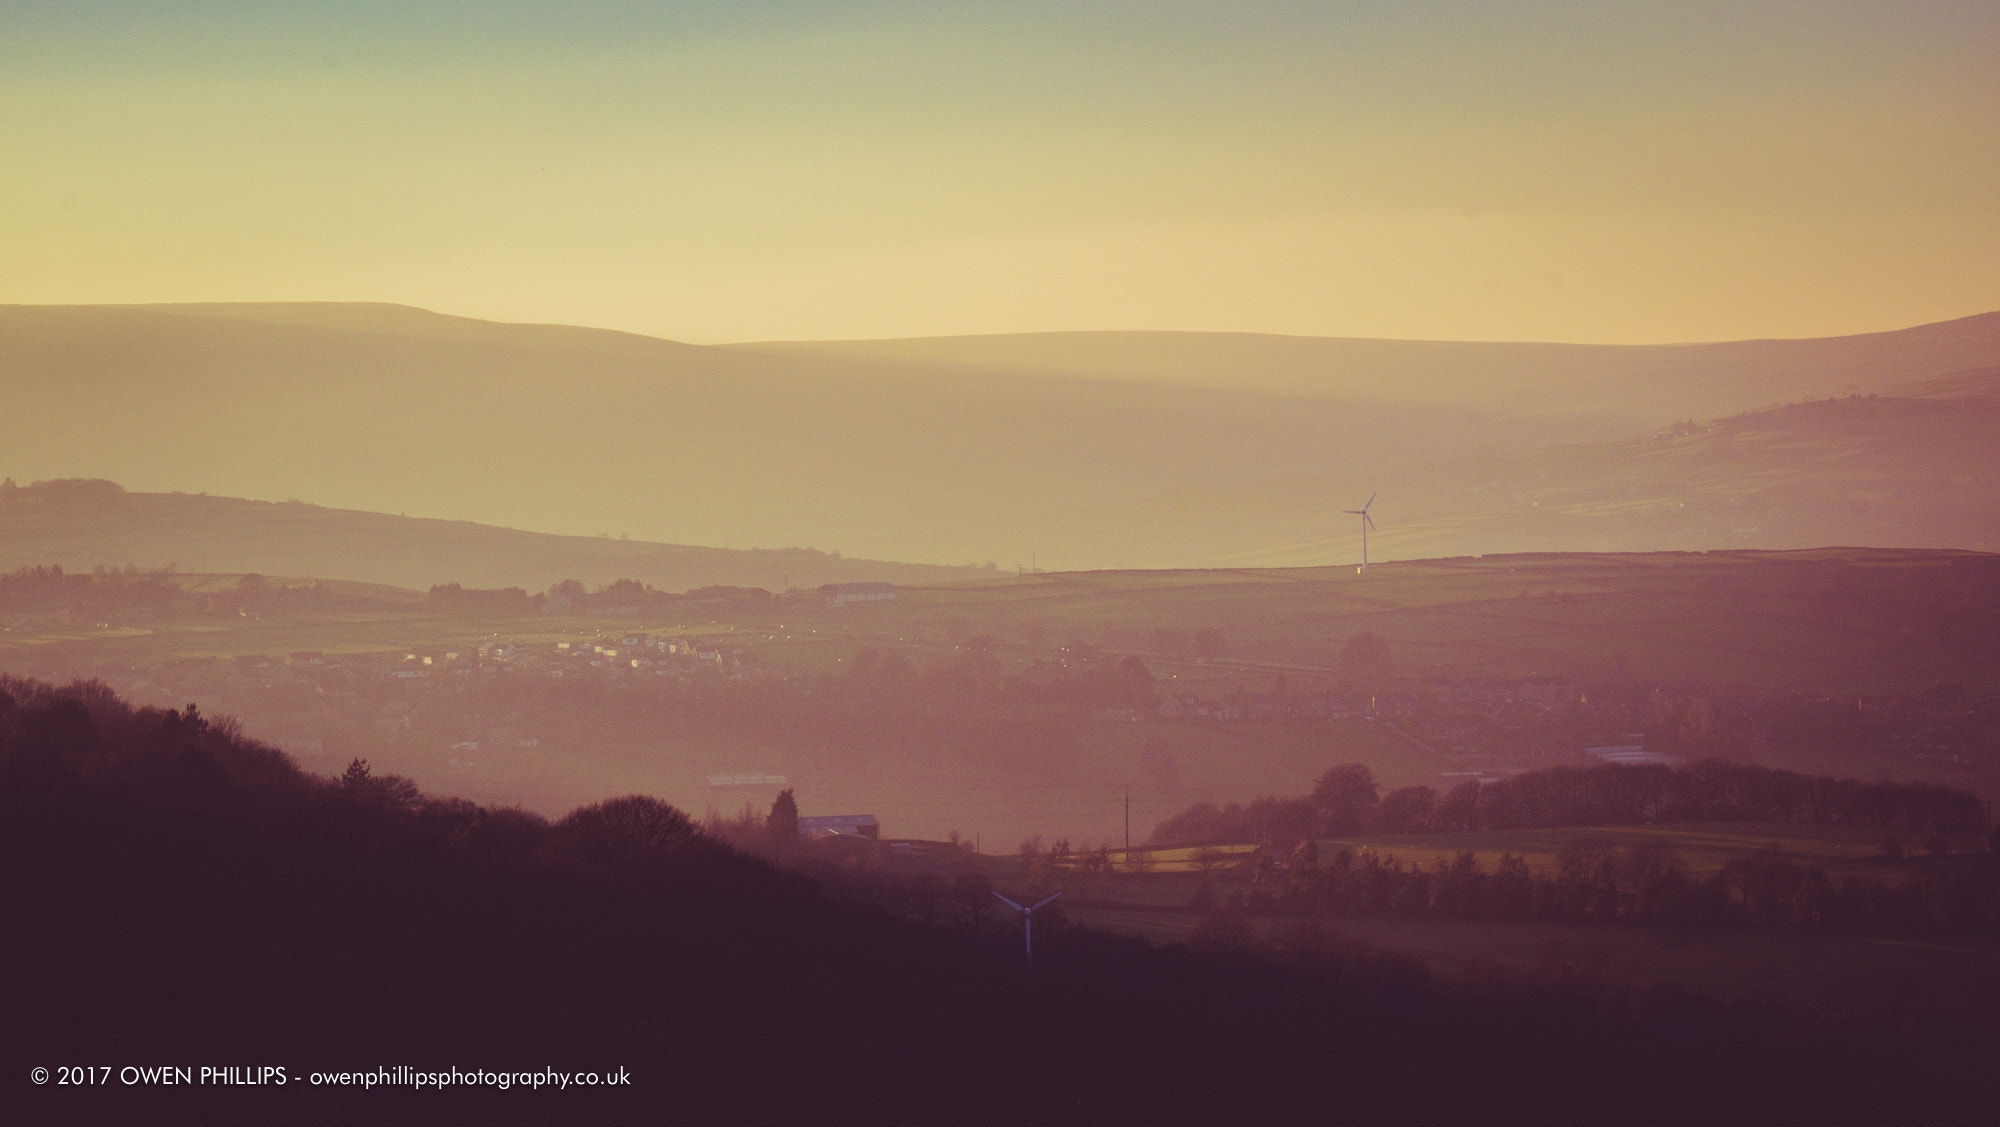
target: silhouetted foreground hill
85 524
176 895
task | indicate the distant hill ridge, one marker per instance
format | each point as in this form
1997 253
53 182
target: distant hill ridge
1970 383
82 524
1726 377
1077 450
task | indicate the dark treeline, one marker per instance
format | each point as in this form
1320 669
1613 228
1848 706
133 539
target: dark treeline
620 598
46 594
101 595
177 894
1646 883
135 594
1346 800
629 597
1597 880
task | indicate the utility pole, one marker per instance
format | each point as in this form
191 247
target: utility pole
1128 826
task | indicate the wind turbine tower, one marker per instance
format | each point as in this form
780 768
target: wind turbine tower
1367 522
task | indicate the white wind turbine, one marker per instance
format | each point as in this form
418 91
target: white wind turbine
1028 920
1367 522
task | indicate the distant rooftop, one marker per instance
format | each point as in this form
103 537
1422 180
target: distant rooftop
857 825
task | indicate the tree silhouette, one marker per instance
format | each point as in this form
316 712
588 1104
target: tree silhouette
1345 798
783 822
360 781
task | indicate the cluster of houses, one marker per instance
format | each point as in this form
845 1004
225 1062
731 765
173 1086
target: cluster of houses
631 652
372 690
1468 721
616 655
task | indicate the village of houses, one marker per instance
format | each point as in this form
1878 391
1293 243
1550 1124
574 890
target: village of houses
323 706
462 704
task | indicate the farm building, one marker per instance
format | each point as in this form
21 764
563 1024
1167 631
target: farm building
851 825
841 594
1633 755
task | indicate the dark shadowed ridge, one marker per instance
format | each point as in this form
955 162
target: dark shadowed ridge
177 894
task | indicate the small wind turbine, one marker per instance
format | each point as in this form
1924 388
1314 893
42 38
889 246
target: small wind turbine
1028 921
1367 522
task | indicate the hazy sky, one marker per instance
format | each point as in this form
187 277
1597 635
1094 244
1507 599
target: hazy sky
1607 171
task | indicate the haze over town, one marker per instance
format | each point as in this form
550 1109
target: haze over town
650 534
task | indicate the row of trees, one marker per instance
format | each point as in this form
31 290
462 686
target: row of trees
118 595
95 596
1644 882
1347 800
113 594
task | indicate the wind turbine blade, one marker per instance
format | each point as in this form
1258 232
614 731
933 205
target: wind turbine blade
1354 512
1371 500
1368 520
1038 906
1010 903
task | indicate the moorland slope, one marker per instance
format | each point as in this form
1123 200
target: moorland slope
82 525
1076 450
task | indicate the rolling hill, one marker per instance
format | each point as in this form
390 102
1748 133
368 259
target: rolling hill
1073 450
82 525
1565 390
1876 471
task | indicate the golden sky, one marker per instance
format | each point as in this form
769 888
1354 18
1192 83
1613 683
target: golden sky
1617 172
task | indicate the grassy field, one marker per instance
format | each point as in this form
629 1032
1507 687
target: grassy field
1834 621
1803 621
1821 970
1818 970
1703 848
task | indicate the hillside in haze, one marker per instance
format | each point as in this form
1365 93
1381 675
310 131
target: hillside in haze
1876 471
87 524
1570 390
1074 450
